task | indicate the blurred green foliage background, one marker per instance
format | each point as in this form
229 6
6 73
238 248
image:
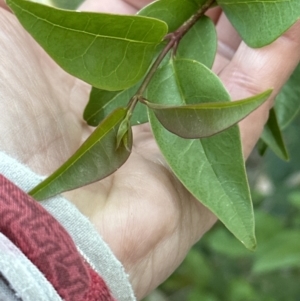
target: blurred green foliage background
219 268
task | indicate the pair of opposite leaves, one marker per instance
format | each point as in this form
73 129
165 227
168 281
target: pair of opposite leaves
115 51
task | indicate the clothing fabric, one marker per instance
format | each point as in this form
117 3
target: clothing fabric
6 293
20 275
48 246
83 265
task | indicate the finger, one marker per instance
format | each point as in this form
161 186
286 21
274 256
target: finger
252 71
228 43
214 14
3 5
228 38
138 4
108 6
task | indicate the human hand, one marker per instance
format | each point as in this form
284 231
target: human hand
146 216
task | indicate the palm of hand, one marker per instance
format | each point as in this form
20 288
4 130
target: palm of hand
149 220
141 211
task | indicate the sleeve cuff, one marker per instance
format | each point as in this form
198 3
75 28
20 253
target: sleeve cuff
87 240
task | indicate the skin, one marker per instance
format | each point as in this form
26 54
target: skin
145 215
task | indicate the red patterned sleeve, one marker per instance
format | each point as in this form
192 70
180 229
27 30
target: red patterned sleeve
48 246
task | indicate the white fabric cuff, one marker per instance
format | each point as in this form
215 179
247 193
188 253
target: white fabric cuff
89 243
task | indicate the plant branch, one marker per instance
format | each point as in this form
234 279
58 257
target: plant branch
154 67
174 39
183 29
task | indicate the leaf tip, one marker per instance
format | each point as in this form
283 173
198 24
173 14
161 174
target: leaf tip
250 244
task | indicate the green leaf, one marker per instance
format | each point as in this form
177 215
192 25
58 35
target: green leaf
287 105
67 4
110 52
96 159
261 147
212 169
205 119
102 103
272 137
261 22
122 134
280 252
200 42
172 12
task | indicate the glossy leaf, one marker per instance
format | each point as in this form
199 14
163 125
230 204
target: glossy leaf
261 22
66 4
212 169
110 52
200 42
272 137
205 119
97 158
172 12
102 103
